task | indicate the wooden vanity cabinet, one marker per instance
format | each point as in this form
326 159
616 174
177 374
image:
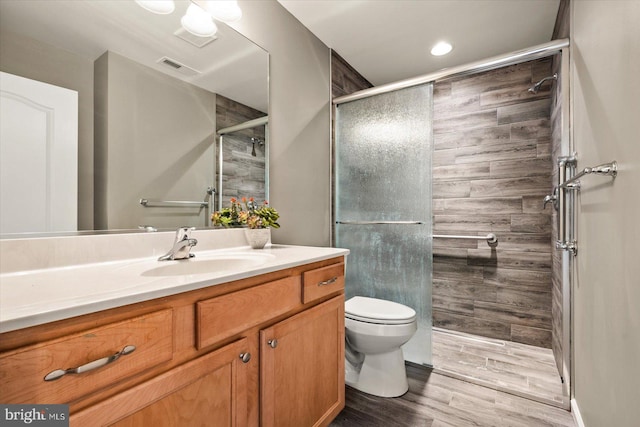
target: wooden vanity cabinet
204 357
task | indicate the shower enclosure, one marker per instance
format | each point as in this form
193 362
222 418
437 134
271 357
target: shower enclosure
486 137
243 167
383 202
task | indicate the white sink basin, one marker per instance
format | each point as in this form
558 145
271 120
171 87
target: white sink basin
207 264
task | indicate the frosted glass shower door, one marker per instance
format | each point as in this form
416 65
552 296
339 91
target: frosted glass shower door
383 202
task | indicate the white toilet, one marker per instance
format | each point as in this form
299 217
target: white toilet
375 330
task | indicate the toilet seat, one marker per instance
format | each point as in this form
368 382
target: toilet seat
377 311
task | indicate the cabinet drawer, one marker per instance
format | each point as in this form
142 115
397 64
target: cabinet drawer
322 281
221 317
208 391
22 371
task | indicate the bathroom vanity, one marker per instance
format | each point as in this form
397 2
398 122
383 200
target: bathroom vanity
232 337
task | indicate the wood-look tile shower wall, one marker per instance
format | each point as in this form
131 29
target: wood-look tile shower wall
491 170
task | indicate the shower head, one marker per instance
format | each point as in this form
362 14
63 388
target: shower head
536 87
255 141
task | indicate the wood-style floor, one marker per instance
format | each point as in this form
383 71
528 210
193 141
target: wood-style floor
476 382
436 400
507 366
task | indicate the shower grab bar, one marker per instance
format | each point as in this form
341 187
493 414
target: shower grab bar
179 203
491 238
379 222
606 169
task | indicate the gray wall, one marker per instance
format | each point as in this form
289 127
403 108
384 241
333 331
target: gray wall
35 60
491 170
154 139
299 121
605 59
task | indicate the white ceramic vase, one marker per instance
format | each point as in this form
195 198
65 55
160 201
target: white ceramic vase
257 237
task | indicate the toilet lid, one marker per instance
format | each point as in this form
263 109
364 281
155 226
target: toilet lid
373 310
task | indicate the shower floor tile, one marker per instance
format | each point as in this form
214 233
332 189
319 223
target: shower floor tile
515 368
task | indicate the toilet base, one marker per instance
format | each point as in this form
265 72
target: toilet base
382 375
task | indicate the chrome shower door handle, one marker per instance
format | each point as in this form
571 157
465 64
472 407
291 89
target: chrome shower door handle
565 202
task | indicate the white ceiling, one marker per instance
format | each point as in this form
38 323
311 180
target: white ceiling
390 40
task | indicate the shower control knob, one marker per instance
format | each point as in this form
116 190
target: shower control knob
245 357
273 343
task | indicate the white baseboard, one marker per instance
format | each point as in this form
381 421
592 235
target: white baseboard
576 413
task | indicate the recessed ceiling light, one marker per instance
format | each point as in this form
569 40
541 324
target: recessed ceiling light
441 48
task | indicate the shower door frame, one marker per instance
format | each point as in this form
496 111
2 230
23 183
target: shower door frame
554 47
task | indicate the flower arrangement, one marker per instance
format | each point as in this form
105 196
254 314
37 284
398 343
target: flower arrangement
247 212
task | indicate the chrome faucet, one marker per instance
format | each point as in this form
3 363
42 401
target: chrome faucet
182 246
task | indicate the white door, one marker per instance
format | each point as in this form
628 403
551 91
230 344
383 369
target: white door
38 156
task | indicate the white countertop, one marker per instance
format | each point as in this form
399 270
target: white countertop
34 297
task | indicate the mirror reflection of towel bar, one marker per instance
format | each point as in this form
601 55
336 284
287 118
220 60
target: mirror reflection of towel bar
379 222
172 204
179 203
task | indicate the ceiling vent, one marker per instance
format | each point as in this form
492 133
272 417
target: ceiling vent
177 66
196 41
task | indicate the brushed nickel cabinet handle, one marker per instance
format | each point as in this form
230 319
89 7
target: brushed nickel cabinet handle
328 282
273 343
245 357
59 373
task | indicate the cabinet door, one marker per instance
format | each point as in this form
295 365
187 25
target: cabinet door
210 390
302 368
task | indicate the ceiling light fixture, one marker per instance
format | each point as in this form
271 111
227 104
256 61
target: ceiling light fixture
161 7
224 10
198 22
441 48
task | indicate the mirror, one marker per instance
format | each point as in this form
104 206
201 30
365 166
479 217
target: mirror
151 99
